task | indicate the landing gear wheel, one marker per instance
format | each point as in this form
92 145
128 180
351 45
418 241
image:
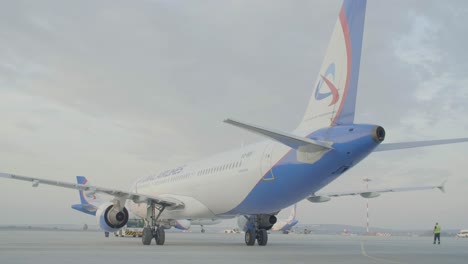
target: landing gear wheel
160 236
147 236
250 237
203 230
262 237
106 234
152 229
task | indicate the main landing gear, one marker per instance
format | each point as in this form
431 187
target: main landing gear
261 235
152 229
157 233
257 226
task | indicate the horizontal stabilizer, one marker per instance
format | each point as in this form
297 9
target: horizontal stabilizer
85 208
370 193
417 144
293 141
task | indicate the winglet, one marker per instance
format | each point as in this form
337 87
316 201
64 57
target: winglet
441 187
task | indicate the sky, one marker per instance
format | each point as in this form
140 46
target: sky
115 90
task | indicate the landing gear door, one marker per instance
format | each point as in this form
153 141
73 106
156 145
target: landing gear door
266 166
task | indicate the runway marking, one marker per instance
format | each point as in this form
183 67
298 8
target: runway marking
364 253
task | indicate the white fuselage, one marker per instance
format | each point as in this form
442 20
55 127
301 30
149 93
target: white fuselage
261 178
213 186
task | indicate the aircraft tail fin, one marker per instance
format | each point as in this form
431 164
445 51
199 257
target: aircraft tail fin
334 94
292 216
82 180
89 201
86 197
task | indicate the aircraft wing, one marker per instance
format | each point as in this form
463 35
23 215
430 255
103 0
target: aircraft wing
417 144
370 193
135 197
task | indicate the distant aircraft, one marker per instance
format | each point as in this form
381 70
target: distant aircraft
259 180
89 201
285 226
186 224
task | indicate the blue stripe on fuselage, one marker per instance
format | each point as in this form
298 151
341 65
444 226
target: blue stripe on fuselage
295 180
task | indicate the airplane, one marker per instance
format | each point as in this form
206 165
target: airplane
258 180
91 202
286 225
186 224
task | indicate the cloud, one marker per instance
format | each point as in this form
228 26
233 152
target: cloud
115 90
417 47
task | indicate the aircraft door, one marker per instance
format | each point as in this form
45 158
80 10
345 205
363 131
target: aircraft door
266 166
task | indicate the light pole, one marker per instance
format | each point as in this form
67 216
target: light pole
367 180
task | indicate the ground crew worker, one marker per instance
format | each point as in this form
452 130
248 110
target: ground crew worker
436 232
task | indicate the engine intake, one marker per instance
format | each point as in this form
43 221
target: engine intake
110 218
115 218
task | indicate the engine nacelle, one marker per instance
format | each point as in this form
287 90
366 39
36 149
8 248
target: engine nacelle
110 219
266 221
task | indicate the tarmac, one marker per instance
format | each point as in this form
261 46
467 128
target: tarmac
92 247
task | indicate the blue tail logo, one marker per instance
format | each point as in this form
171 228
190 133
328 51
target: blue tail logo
333 90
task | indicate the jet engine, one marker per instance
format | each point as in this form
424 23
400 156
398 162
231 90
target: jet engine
264 221
111 219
